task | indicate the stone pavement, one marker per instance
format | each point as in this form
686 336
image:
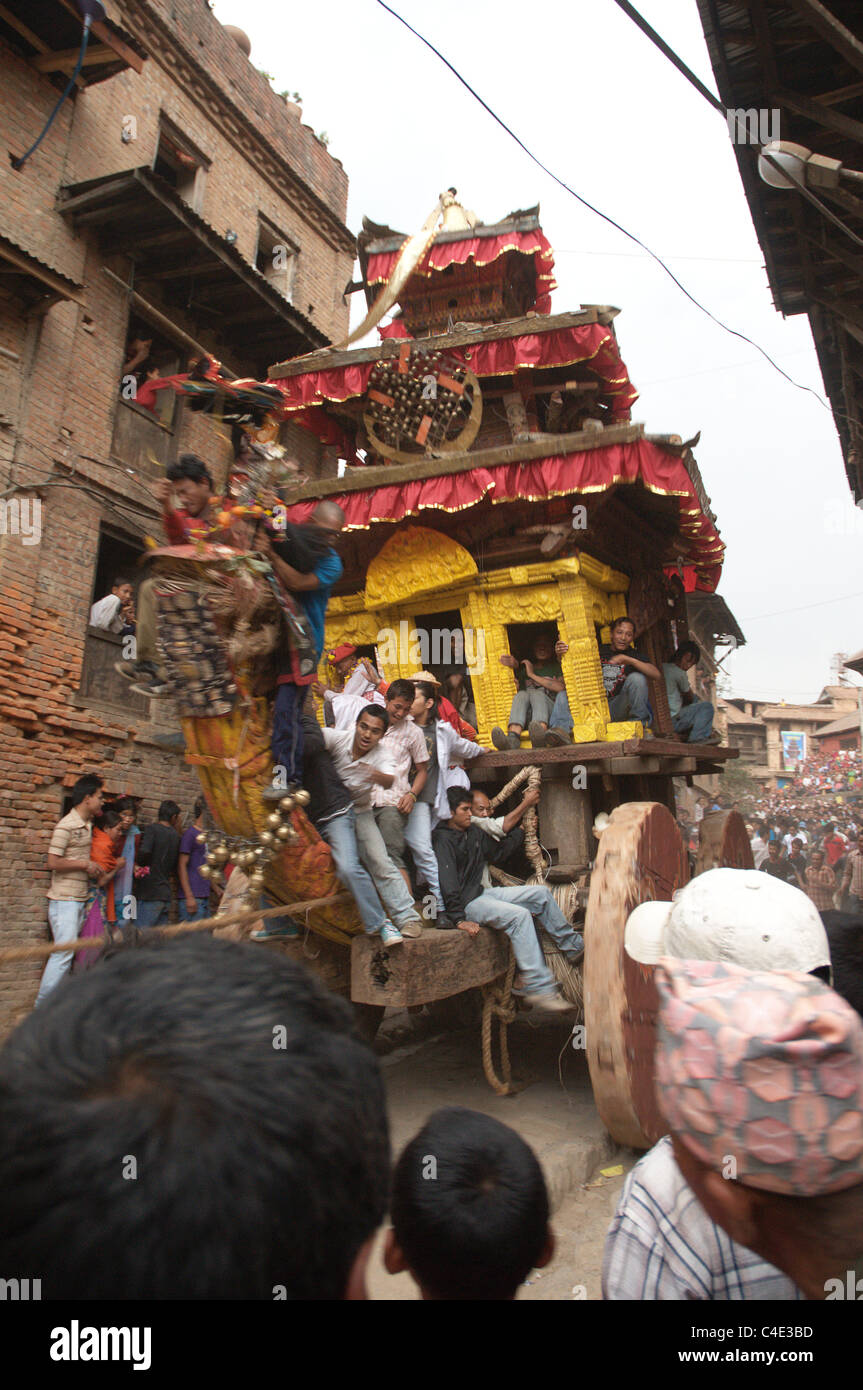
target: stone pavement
555 1113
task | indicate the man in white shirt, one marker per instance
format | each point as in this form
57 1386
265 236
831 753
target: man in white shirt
115 612
363 764
689 716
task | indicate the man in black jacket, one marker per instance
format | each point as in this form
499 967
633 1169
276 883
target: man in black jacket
462 851
159 852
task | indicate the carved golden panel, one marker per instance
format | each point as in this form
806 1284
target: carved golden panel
416 561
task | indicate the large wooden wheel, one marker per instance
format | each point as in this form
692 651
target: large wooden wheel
723 843
641 858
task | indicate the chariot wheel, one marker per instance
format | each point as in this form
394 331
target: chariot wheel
723 843
641 858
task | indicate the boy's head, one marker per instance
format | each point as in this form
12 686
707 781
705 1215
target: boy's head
193 482
235 1093
469 1209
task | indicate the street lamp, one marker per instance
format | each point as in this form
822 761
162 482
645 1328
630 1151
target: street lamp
783 164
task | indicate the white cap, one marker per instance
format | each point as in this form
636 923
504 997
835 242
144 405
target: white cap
738 916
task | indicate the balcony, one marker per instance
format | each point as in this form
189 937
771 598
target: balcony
181 261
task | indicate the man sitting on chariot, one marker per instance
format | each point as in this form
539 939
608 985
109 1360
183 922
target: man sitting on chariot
625 673
462 851
538 684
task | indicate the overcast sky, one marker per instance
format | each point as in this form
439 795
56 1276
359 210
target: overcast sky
587 92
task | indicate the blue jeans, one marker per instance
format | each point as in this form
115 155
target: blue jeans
530 705
66 916
288 730
201 911
560 715
340 834
151 914
514 910
696 719
631 700
388 881
418 836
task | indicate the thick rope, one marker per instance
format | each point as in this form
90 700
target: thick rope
240 915
498 1003
533 776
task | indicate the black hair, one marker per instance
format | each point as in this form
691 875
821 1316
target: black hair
168 810
207 1108
469 1207
200 804
428 692
687 649
86 786
376 712
845 938
120 580
457 795
402 690
124 803
191 467
109 819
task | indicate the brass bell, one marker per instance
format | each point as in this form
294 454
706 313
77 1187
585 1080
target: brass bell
285 832
205 871
267 837
287 803
200 839
302 797
274 820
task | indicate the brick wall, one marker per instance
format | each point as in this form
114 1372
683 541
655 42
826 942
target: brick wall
58 404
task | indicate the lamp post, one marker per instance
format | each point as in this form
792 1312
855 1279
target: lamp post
783 164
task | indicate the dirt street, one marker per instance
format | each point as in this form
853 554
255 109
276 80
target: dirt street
429 1068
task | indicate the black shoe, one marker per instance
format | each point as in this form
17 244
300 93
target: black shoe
136 670
443 923
557 738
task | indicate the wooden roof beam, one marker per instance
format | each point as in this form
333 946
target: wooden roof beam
66 59
831 30
820 114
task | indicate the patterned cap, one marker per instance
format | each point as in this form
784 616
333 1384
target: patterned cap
339 653
765 1069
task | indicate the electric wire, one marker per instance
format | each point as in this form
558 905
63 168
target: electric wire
599 213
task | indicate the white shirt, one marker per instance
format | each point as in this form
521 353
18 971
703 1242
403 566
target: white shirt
106 614
759 850
356 772
663 1246
493 826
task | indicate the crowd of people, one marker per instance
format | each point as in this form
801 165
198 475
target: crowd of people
754 1193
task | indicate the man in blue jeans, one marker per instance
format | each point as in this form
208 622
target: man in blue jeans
71 869
625 674
690 716
158 852
462 851
313 590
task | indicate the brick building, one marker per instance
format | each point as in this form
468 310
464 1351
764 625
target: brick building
153 209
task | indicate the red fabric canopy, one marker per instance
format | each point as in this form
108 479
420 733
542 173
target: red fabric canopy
562 347
482 251
595 470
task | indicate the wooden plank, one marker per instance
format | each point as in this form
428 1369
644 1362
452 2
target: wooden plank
327 359
633 766
429 967
820 114
367 479
104 31
831 30
51 279
65 59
